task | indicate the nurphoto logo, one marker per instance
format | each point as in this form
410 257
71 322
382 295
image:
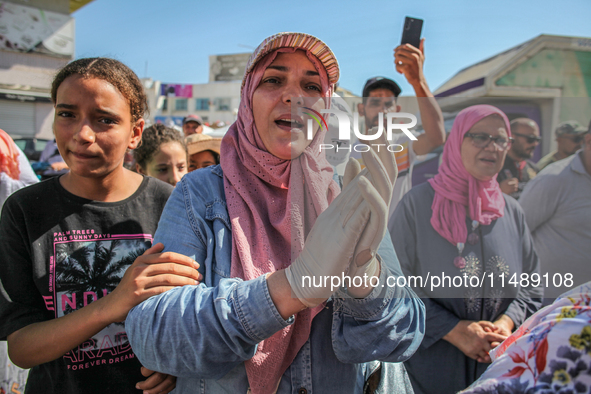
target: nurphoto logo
344 129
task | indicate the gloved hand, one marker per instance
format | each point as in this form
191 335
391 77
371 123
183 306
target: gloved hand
332 243
365 260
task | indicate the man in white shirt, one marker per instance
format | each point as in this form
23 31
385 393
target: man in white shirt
557 206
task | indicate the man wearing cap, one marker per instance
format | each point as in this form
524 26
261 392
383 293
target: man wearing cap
518 169
569 136
557 206
192 124
379 95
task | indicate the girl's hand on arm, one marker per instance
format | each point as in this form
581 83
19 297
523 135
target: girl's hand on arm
156 382
150 274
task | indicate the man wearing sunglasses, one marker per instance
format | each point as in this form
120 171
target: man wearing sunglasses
518 168
569 137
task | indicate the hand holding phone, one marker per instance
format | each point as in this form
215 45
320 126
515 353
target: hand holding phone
408 60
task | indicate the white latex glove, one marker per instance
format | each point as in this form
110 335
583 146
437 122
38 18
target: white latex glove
331 244
365 260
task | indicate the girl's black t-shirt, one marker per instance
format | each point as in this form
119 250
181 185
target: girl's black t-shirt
60 252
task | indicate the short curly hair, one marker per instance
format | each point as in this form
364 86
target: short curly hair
112 71
152 138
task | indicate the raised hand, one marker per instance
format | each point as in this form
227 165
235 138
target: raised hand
382 172
409 61
347 234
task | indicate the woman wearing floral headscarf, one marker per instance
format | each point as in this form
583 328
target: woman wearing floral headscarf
253 325
549 353
461 230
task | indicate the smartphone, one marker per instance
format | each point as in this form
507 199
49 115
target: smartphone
411 33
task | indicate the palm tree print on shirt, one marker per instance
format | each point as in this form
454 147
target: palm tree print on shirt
86 271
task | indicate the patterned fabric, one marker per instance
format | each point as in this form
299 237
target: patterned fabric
549 353
303 41
456 189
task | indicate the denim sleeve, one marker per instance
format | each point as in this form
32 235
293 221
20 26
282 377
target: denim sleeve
203 331
387 325
200 330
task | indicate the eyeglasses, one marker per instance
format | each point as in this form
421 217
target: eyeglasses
482 140
530 138
574 138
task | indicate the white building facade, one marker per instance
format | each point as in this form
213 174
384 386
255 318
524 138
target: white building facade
214 102
37 39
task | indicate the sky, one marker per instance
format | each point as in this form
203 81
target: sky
171 41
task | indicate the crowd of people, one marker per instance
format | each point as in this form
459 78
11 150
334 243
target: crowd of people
203 266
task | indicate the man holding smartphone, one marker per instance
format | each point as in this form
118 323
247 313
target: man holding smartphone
380 94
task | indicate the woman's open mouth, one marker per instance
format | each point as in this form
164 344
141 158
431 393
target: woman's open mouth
289 124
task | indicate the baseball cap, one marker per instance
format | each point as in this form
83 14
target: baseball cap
570 127
193 118
296 40
380 82
199 142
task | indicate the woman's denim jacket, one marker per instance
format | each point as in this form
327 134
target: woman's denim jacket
203 334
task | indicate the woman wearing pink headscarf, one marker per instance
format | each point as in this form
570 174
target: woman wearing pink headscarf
459 231
260 223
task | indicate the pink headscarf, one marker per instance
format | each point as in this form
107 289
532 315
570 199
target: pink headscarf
456 189
8 156
273 204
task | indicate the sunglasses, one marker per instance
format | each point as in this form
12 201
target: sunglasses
530 138
574 138
483 140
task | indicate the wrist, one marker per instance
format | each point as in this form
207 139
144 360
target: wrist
454 333
371 269
282 295
506 321
421 88
107 309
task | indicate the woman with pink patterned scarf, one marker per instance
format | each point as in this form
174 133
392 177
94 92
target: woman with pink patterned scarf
461 230
266 225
